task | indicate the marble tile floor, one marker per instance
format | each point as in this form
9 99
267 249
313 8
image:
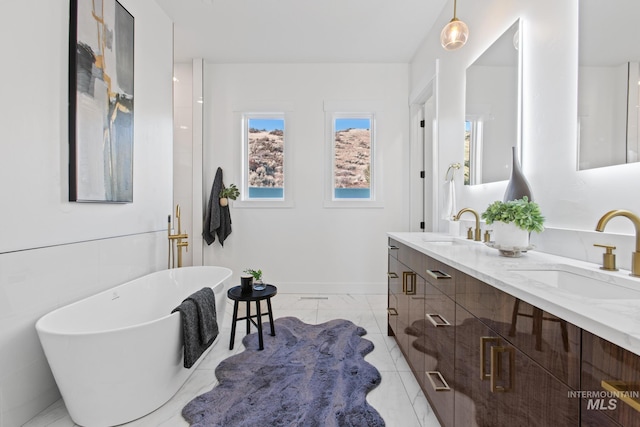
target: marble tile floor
398 398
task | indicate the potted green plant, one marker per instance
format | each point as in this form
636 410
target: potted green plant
230 192
513 221
258 284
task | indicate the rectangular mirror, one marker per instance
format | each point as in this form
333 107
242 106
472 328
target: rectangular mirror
608 79
492 110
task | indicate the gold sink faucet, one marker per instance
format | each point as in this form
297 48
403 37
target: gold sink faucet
635 256
477 232
178 238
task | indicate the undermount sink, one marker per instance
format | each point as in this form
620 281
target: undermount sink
441 243
445 241
577 284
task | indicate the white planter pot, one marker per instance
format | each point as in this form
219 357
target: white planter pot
509 236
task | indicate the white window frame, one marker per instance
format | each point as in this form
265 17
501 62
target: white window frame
352 109
476 133
286 201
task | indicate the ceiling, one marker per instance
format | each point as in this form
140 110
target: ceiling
300 31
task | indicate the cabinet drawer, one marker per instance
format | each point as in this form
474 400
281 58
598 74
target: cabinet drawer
437 273
498 385
440 276
415 326
438 343
550 341
413 259
608 367
393 247
397 309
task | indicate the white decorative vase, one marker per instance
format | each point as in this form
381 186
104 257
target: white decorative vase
509 236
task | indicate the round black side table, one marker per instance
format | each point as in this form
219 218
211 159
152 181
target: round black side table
237 296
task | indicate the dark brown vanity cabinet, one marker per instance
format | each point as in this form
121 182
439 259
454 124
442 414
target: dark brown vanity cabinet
610 384
489 359
551 342
515 363
422 318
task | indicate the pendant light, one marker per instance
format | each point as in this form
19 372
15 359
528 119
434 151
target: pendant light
454 35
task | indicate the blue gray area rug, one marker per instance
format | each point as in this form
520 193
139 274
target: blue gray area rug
307 375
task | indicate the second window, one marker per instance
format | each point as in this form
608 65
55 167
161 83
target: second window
352 156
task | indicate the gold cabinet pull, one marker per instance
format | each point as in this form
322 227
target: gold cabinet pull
392 275
496 366
483 348
392 311
412 291
441 385
437 320
437 274
622 390
409 282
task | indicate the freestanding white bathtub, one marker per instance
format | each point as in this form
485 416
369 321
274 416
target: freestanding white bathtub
117 355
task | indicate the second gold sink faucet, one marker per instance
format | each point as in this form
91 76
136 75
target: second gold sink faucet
477 232
635 256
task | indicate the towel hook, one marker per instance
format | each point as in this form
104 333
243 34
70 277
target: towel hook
452 168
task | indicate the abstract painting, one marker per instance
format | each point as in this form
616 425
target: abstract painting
101 59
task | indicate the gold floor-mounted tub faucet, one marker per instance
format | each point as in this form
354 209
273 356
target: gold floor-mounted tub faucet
635 256
179 241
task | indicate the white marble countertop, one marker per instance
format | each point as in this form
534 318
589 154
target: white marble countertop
605 314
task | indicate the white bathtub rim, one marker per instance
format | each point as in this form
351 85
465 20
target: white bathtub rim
42 329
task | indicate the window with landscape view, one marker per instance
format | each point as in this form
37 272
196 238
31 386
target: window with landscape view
264 157
352 157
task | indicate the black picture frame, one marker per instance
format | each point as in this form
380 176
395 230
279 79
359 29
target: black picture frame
101 94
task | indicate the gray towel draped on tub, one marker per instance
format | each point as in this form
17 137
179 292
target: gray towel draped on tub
217 219
199 324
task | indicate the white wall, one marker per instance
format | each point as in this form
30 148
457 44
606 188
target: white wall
183 156
35 130
188 191
53 252
308 248
569 199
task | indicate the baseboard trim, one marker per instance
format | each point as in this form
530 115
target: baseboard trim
332 288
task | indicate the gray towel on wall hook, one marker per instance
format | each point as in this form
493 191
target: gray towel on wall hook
217 219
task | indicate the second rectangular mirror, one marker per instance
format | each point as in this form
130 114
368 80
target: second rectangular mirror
608 83
492 115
